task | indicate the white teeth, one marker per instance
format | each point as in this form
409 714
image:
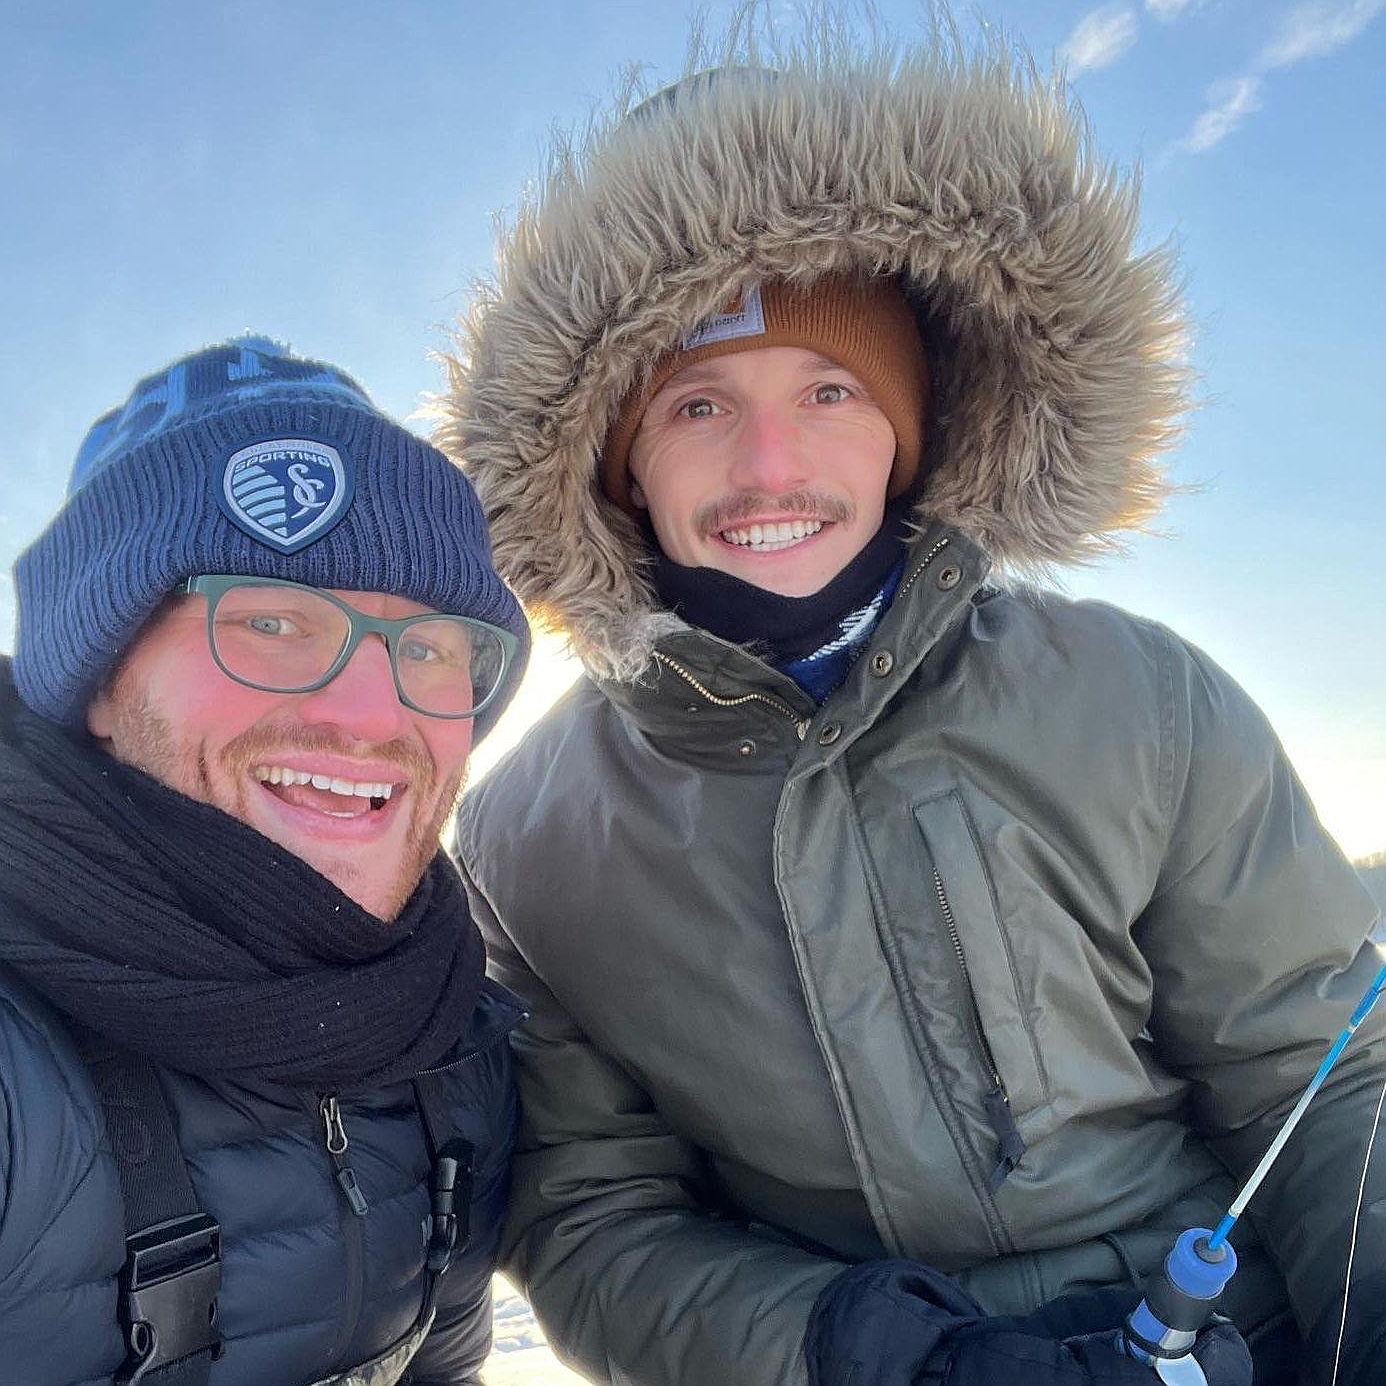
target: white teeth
357 789
768 538
372 791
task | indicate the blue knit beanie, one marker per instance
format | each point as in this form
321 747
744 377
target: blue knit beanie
243 459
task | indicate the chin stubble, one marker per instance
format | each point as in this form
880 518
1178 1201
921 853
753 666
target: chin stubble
144 738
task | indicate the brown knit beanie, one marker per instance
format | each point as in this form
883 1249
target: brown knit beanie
865 325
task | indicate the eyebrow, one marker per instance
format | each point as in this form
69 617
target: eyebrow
693 376
825 363
689 376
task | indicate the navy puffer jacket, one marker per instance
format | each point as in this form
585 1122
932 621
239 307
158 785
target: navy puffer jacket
308 1287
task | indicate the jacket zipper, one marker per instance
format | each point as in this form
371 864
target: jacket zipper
1010 1145
485 1047
801 724
338 1147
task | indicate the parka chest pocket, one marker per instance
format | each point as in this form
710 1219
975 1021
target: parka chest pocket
965 912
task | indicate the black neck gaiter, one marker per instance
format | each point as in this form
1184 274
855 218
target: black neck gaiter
782 628
178 932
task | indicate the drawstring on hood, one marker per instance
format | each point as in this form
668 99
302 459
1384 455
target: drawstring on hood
1054 344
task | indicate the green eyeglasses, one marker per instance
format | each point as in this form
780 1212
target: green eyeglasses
283 637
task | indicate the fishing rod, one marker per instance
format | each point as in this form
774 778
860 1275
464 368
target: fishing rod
1181 1296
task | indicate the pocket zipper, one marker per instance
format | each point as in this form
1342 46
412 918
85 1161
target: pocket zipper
996 1103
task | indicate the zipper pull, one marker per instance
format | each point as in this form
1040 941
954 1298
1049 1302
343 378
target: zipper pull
337 1149
1010 1144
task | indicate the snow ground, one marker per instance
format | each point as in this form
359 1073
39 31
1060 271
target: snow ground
521 1356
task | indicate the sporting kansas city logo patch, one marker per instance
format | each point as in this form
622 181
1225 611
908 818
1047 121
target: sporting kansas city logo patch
286 492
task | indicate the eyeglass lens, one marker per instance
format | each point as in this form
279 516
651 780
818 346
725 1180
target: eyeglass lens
286 638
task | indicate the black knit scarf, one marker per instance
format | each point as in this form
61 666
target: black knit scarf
175 930
782 628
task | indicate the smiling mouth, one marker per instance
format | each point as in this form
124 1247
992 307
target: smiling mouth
773 537
328 794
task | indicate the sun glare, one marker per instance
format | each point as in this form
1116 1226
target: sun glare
550 674
1350 795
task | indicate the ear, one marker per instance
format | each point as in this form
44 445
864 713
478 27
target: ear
101 714
637 496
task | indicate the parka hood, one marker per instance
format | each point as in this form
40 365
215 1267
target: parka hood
1055 346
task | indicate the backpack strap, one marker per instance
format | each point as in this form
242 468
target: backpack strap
168 1287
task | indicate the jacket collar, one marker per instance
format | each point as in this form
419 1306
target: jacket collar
497 1012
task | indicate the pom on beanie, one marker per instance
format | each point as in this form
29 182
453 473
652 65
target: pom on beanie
864 324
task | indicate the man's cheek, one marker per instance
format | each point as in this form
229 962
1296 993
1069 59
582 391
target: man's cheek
448 745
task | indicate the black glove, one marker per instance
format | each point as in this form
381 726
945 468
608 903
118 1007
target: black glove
899 1323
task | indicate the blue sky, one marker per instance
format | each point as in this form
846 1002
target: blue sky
328 173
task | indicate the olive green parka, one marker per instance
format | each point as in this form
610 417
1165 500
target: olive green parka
1011 956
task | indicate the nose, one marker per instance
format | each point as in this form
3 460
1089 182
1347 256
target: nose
361 701
768 452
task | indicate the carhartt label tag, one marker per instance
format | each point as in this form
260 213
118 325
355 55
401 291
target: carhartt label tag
745 319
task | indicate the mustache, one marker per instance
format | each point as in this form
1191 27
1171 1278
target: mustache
807 504
255 745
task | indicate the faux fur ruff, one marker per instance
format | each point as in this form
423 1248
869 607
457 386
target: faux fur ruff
1056 348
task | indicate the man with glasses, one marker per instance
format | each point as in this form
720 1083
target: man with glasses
258 1107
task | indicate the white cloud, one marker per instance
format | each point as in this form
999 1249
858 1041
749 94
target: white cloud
1231 102
1100 38
1167 9
1308 31
1314 30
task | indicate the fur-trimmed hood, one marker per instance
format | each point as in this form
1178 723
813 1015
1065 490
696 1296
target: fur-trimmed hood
1056 348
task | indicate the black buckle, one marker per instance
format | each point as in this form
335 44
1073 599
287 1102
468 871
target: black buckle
168 1293
451 1187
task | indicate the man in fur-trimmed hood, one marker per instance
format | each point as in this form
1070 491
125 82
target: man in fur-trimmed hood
926 926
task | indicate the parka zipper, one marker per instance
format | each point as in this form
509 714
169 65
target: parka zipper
996 1102
801 724
918 572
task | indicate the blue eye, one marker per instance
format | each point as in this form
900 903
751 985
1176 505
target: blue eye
418 651
831 394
